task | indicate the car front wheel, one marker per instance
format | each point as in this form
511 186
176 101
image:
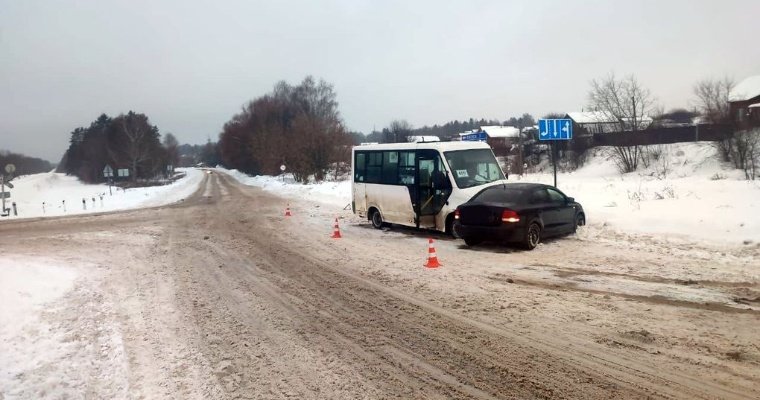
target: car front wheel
532 236
580 220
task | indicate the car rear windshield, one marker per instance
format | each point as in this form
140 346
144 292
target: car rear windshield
498 194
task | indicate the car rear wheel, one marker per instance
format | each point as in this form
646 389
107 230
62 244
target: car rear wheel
451 227
532 236
377 220
472 241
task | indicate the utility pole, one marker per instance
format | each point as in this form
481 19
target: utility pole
2 192
520 144
554 161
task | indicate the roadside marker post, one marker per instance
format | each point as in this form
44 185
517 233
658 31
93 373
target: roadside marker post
64 205
43 207
108 174
15 213
84 204
3 211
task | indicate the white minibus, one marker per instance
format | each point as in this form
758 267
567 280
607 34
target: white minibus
419 184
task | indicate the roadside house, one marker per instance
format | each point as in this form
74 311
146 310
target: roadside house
501 138
744 103
593 122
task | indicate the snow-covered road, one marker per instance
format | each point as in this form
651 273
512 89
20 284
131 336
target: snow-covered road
221 296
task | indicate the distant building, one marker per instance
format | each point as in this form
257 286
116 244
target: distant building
593 122
744 103
500 138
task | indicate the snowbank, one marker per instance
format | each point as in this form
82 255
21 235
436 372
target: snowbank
54 189
27 342
687 194
336 193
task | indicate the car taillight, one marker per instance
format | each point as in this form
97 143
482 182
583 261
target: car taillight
509 216
456 213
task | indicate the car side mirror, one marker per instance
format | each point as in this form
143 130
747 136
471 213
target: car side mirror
570 200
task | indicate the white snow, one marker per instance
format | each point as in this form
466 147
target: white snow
688 195
501 131
335 193
27 343
697 198
746 89
58 337
415 139
590 117
53 189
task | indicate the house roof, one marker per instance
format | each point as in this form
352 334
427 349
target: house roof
591 117
598 117
746 89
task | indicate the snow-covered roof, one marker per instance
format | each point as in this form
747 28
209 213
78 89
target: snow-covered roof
598 117
756 105
746 89
591 117
644 119
415 139
500 131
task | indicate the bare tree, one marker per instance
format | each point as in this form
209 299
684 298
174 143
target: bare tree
627 103
745 152
400 130
712 101
298 126
171 145
140 139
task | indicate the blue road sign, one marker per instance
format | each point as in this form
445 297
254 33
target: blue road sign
555 129
475 137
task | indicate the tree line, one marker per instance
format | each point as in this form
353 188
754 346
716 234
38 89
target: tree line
400 130
298 126
24 165
191 155
127 141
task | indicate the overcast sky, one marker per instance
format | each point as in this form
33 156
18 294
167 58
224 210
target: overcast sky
191 65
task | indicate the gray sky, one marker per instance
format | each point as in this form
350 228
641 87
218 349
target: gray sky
191 65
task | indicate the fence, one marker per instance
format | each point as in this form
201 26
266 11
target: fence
659 136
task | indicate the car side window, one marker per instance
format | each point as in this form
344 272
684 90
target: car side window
539 196
555 196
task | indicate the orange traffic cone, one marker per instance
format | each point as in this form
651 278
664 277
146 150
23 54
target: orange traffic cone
336 230
287 211
432 261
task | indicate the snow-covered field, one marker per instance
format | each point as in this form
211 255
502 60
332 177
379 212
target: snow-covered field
63 195
688 195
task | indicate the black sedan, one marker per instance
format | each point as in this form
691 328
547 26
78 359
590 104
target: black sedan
517 213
